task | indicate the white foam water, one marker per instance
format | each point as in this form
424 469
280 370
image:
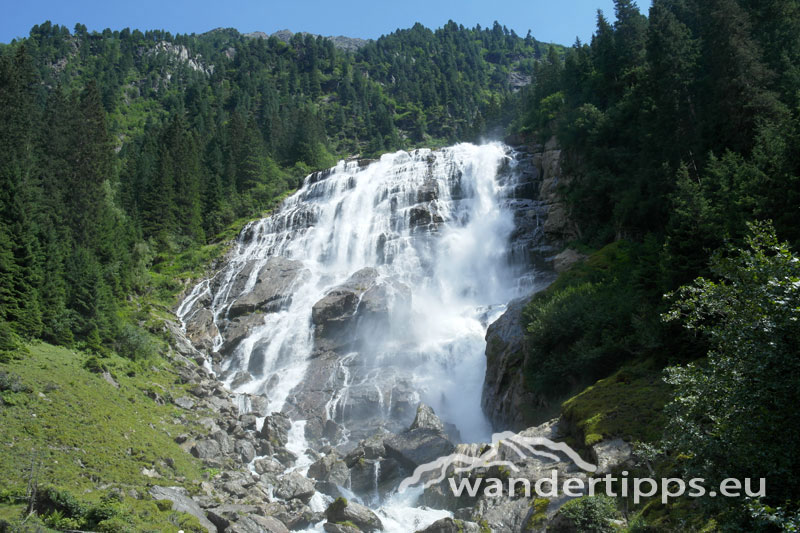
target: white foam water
452 258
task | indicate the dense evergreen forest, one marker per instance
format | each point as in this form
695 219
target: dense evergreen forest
679 132
121 146
680 138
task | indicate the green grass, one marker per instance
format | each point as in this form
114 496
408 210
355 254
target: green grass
628 404
89 437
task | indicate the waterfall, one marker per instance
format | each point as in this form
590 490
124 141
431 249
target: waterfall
370 290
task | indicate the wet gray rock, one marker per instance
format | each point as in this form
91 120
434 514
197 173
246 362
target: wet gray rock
362 476
295 486
356 310
294 514
245 450
418 446
342 510
423 216
257 524
201 330
259 405
181 502
276 429
505 398
224 515
268 465
428 192
426 419
340 303
273 288
248 422
237 330
329 468
373 446
339 528
337 310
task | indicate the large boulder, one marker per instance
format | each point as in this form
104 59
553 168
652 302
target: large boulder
201 329
295 486
224 515
237 330
329 468
276 429
206 449
357 309
422 443
257 524
610 455
343 511
273 287
337 309
182 503
505 398
426 419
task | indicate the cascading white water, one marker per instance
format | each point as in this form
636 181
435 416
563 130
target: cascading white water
356 217
435 227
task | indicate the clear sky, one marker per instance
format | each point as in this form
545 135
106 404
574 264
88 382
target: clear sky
548 20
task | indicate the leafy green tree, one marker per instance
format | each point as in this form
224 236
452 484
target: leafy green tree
734 414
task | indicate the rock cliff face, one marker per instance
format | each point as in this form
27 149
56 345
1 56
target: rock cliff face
505 399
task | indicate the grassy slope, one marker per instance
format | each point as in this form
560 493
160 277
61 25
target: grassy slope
89 436
93 439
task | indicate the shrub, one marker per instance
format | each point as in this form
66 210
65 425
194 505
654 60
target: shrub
134 343
10 382
590 514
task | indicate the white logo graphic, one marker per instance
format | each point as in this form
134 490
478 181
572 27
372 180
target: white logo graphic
523 446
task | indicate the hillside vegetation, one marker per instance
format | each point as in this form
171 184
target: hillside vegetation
679 133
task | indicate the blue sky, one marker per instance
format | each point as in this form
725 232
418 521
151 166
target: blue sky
548 20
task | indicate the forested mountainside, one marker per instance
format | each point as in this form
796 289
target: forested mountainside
679 136
121 146
129 159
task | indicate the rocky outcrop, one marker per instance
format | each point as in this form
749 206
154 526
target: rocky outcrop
422 443
558 227
348 44
295 486
611 455
352 311
273 287
543 227
567 259
344 511
183 503
505 398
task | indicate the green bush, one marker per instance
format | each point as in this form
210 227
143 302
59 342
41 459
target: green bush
94 364
590 514
134 343
60 504
590 321
10 382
